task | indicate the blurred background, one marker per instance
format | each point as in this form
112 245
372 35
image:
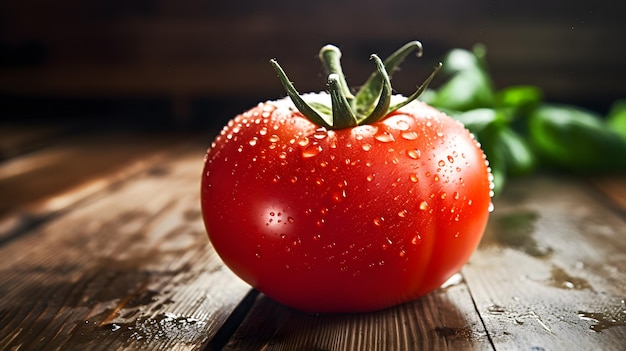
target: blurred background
186 64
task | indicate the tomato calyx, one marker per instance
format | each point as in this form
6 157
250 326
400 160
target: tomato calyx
370 104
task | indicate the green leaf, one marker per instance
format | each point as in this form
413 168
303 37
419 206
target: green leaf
518 156
576 139
467 90
522 96
477 120
616 119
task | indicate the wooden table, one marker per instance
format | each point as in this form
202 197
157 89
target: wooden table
102 247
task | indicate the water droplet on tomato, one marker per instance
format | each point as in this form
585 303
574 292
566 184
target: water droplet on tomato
339 196
311 150
253 141
293 179
320 222
320 133
274 138
450 159
403 213
414 178
283 236
441 163
423 205
282 155
370 177
319 181
402 124
384 137
378 221
491 207
436 178
414 154
416 240
303 142
366 147
263 131
409 135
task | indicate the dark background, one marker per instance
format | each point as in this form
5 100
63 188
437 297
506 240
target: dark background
196 63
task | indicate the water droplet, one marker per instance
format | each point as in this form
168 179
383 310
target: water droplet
436 178
274 138
417 239
414 154
402 124
320 222
409 135
443 196
320 134
263 131
290 219
293 179
384 137
282 155
414 178
283 236
303 142
370 177
441 163
317 237
378 221
319 181
366 147
311 150
403 213
338 197
491 207
423 205
450 159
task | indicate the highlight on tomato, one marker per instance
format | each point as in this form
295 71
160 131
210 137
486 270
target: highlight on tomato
345 201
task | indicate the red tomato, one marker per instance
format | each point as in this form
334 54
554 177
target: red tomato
347 220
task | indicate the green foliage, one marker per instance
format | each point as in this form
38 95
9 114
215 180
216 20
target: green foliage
519 131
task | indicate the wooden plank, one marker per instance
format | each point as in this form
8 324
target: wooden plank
130 268
614 187
43 182
443 320
549 273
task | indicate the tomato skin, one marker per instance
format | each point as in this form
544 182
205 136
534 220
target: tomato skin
347 220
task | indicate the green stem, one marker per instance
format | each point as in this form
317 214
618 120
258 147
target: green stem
419 90
367 95
343 116
384 98
371 104
330 55
300 104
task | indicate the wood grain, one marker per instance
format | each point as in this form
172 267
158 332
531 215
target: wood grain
38 184
131 268
443 320
549 273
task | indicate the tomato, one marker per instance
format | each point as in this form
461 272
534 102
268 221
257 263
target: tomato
344 220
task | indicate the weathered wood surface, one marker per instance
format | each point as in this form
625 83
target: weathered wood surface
129 269
127 265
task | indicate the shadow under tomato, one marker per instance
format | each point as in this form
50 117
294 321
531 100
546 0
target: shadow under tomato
433 321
